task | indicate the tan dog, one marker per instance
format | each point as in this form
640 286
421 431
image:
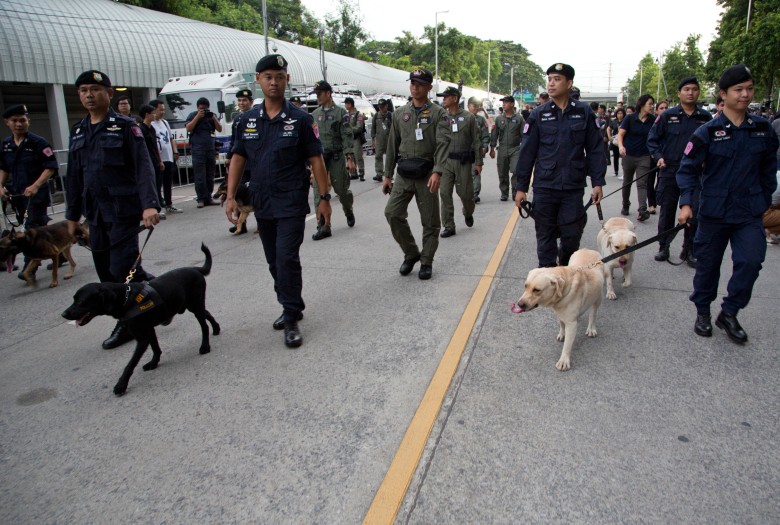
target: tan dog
244 202
616 235
39 244
570 291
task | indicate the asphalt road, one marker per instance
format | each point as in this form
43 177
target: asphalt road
652 424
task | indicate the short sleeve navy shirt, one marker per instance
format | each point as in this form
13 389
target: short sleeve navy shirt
635 140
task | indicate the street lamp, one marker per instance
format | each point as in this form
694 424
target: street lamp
511 78
436 46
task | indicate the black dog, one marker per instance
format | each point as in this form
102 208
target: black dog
142 306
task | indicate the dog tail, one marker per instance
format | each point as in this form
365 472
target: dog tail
206 268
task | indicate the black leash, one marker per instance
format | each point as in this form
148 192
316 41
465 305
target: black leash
645 243
526 208
81 242
137 259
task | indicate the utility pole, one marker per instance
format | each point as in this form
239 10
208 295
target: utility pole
609 78
265 26
436 45
641 78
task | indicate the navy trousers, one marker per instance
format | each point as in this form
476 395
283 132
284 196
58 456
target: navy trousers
748 249
551 209
203 167
282 239
113 263
668 196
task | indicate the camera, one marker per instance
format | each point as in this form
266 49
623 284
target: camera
208 114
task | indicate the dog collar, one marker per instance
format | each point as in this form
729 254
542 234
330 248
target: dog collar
141 298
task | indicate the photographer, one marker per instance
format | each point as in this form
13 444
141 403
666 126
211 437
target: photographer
201 125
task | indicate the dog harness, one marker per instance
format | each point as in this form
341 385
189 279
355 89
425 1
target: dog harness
141 298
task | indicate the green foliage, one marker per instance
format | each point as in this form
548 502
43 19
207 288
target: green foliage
757 47
344 32
645 80
683 60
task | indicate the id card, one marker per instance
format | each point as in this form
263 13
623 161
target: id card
418 134
454 127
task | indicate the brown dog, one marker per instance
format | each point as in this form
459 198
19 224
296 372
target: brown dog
41 243
244 202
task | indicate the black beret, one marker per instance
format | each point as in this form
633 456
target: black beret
246 93
321 86
296 98
275 62
508 98
449 91
734 75
12 111
544 94
420 75
93 77
349 100
561 69
687 80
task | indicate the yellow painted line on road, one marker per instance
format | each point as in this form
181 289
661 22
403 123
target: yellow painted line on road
391 493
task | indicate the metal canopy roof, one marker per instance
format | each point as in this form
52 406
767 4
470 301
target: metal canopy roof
53 41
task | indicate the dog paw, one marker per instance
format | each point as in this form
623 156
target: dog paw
53 284
68 276
563 364
205 349
591 332
120 389
560 337
611 295
151 365
626 284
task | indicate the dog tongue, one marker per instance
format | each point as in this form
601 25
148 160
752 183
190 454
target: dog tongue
516 308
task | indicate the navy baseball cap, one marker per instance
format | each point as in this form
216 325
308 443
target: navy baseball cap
321 86
507 98
93 77
449 91
420 75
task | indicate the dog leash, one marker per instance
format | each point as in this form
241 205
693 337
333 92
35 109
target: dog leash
81 242
133 268
526 208
645 243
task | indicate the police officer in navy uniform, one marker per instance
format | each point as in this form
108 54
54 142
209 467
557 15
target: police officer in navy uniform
111 181
734 156
562 146
276 138
29 162
666 142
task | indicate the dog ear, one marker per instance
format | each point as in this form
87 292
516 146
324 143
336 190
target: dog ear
633 238
558 283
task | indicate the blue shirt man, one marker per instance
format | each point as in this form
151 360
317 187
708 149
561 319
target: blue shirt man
734 154
666 142
562 146
276 139
201 125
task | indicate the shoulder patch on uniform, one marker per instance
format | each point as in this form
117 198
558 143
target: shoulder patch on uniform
47 151
526 128
692 145
315 129
137 131
658 119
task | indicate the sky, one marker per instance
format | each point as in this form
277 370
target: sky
596 37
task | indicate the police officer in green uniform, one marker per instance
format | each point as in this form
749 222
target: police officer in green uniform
462 154
380 129
358 122
484 134
508 133
337 144
418 144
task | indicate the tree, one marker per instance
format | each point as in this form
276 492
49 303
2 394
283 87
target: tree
683 60
344 31
645 80
756 46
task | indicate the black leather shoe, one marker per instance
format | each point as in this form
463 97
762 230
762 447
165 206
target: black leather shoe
233 229
691 261
350 219
624 211
470 221
476 199
703 326
378 178
279 323
408 265
643 215
119 336
353 176
662 255
447 233
292 336
504 197
426 271
321 234
729 323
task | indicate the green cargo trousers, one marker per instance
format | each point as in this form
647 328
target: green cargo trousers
460 176
337 172
397 212
506 163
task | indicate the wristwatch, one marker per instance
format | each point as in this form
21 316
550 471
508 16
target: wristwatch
325 197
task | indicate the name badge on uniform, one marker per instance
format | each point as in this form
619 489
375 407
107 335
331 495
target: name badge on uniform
418 134
384 126
424 120
454 127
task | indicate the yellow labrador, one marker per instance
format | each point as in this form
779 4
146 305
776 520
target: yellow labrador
617 234
570 291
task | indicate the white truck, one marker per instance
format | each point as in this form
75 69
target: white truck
180 95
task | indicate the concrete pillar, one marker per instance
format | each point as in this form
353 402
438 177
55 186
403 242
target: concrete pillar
58 115
149 94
